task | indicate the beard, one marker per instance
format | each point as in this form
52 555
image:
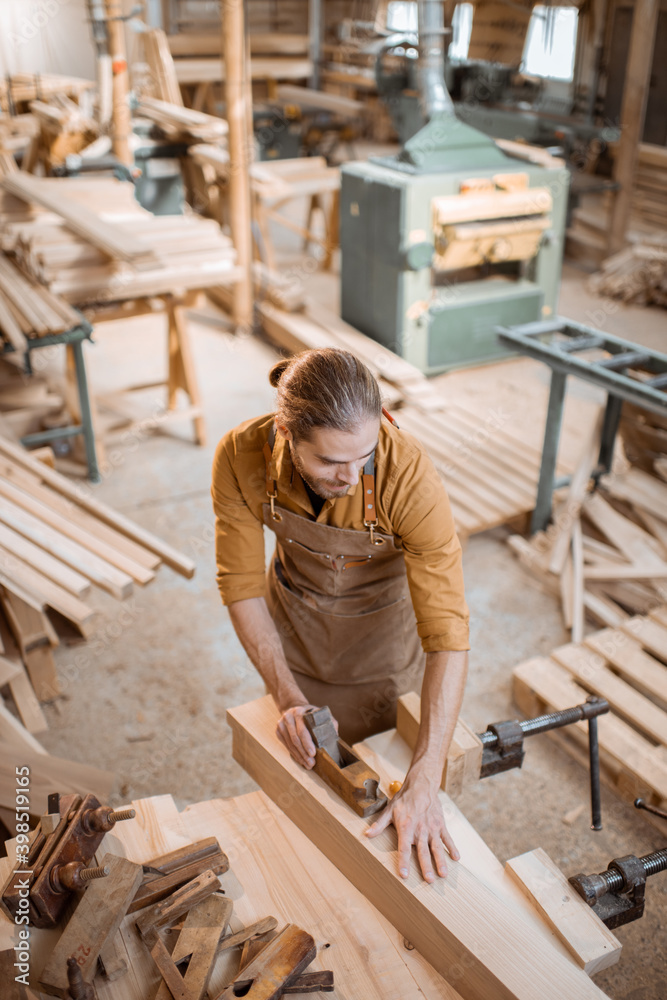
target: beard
325 488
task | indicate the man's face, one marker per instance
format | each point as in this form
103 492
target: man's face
330 460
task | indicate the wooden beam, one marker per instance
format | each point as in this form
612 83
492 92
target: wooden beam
237 87
469 935
633 113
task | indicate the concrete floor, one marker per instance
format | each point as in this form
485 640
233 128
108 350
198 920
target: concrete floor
147 696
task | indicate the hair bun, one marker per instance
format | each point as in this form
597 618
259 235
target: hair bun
278 370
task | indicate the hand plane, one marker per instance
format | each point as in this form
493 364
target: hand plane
338 765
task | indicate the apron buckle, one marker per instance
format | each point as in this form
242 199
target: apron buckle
371 525
274 513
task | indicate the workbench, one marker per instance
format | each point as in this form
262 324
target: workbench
274 870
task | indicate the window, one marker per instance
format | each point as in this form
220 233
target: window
402 16
461 30
550 42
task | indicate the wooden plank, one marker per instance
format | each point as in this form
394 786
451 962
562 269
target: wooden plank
593 946
42 561
36 590
632 764
106 514
575 496
83 538
591 670
625 653
635 543
444 924
30 483
95 921
79 558
640 489
204 926
464 759
651 633
54 196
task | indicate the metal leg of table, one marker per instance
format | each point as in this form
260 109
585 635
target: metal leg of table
545 487
612 416
86 412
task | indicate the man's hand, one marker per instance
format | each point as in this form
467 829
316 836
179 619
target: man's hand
417 814
293 732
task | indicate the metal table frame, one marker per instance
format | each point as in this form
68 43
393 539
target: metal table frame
556 342
73 338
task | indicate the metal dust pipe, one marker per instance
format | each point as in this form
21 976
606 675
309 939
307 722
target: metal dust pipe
433 94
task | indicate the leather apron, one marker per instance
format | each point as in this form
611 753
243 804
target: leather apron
340 601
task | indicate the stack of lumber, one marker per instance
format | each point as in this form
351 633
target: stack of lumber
636 274
88 240
57 543
16 131
606 552
649 185
20 88
490 471
627 665
28 310
182 124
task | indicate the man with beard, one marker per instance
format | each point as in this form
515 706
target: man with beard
363 600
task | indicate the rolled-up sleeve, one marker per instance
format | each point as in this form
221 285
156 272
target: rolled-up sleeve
239 535
423 520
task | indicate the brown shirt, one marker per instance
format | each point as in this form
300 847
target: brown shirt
411 505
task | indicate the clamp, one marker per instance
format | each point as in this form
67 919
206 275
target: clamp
617 895
502 743
65 842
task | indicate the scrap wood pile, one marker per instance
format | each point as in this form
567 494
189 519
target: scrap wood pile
154 924
605 553
57 543
88 240
627 665
637 275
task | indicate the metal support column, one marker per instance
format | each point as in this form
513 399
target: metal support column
612 416
545 487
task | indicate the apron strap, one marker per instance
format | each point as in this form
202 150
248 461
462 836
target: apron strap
271 484
368 490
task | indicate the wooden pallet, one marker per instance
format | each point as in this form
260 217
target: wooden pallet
628 667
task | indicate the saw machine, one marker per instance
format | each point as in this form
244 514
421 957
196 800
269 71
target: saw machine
451 237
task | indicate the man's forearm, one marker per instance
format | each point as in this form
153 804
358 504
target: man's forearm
258 636
442 694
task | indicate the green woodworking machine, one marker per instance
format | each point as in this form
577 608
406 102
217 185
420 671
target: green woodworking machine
450 238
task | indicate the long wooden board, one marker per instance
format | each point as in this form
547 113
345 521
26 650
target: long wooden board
507 959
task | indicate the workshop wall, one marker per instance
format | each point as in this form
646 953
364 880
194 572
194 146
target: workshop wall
46 36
